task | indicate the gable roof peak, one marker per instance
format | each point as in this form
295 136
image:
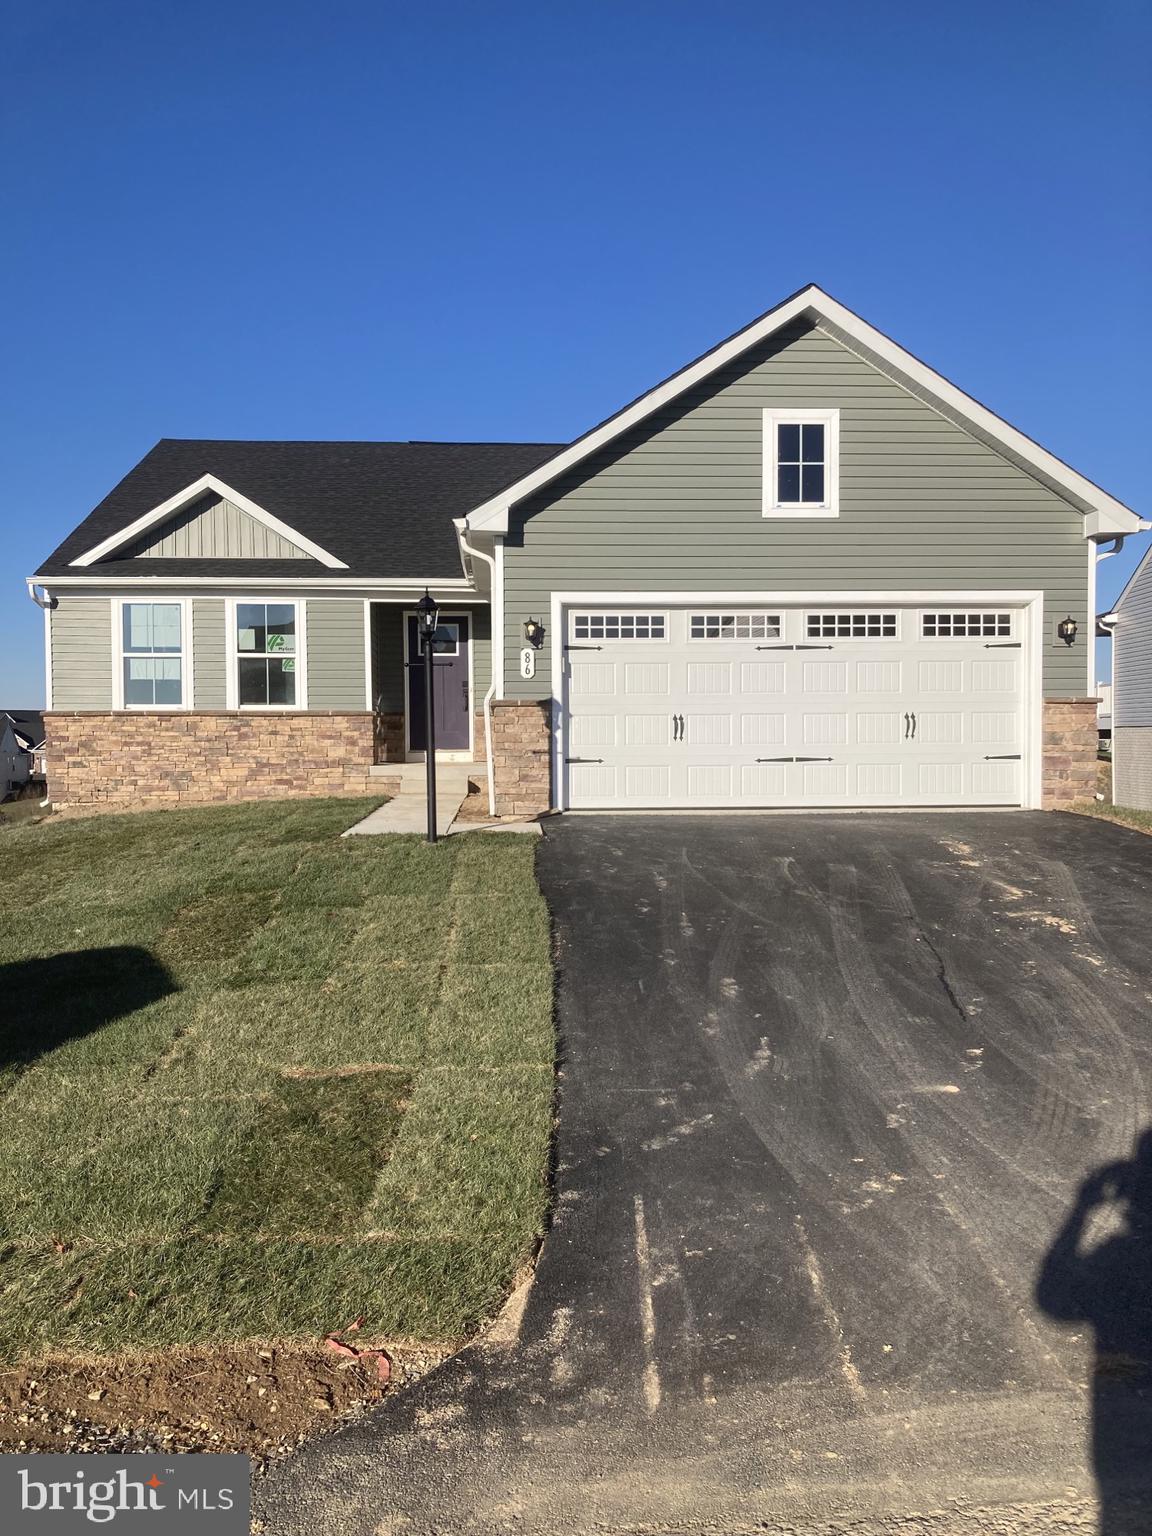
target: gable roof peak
1106 516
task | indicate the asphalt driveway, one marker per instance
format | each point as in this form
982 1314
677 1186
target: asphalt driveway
829 1088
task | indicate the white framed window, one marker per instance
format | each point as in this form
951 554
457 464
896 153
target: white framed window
801 462
150 667
619 626
734 626
266 649
965 626
851 626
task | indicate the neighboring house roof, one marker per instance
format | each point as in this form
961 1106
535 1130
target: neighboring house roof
379 509
28 725
811 304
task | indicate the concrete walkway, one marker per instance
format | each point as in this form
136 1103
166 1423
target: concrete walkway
407 812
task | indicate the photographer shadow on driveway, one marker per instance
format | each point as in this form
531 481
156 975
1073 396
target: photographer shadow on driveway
1108 1285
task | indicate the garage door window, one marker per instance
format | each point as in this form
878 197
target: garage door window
851 626
965 626
618 626
735 626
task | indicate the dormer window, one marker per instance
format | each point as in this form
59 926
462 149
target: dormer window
801 463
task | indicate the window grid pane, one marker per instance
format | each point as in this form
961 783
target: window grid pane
851 626
800 462
734 626
266 654
152 661
965 626
618 626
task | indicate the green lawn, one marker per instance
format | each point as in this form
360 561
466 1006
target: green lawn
1142 820
256 1080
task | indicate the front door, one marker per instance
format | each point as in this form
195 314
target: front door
451 693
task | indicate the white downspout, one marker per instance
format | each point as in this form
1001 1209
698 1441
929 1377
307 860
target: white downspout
462 534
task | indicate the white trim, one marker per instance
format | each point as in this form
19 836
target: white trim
187 680
498 635
189 494
403 590
1032 690
776 416
496 642
232 657
811 302
451 754
369 701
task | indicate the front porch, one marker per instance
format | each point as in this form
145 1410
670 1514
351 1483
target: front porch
463 676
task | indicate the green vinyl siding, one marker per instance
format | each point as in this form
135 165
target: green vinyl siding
676 505
336 654
81 641
209 664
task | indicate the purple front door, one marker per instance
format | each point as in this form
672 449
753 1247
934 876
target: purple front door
451 699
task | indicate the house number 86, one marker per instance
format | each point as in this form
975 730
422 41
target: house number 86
527 662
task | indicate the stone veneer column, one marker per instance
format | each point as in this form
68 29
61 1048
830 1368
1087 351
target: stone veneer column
522 756
1070 743
139 761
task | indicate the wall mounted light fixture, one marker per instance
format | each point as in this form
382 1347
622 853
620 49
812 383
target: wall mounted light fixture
533 631
1066 629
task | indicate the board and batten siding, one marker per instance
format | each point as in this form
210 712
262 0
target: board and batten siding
209 654
676 504
388 653
80 636
335 641
213 528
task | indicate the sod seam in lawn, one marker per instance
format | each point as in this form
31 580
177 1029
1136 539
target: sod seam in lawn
256 1079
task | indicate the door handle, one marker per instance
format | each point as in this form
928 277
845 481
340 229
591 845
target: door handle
907 725
913 725
675 728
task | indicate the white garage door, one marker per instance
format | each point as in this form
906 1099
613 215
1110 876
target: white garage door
682 707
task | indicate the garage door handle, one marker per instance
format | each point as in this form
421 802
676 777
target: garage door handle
793 647
913 725
795 759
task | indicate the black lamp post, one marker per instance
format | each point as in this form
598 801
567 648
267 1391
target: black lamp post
427 613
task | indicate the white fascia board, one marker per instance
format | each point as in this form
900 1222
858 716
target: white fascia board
812 303
317 585
189 494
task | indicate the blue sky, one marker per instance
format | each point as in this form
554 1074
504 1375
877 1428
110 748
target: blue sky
362 220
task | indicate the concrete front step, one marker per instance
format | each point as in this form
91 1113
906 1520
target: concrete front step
451 778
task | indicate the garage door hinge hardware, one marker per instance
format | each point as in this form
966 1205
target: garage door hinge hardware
583 759
583 647
795 759
793 647
1002 757
1003 645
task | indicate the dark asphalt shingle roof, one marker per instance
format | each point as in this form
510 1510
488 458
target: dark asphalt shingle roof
385 509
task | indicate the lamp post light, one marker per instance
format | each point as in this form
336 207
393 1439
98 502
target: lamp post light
427 614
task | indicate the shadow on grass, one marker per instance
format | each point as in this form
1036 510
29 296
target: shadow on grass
48 1001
